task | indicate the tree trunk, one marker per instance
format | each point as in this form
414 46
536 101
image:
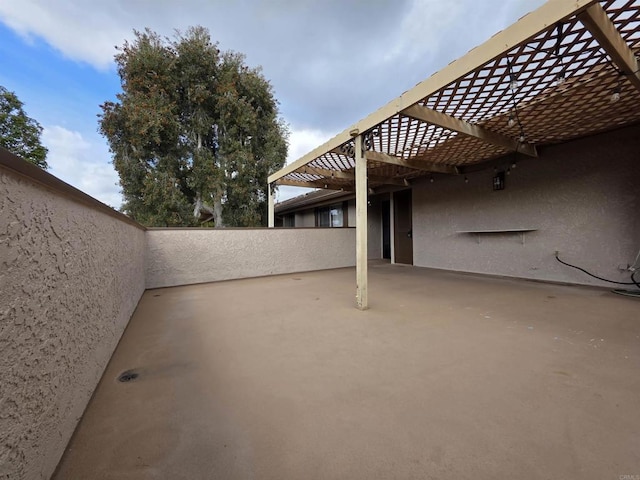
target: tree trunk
217 209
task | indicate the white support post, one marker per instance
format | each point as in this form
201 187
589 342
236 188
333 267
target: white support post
271 213
361 223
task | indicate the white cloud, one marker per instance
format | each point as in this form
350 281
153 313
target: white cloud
81 163
87 30
422 28
302 141
79 31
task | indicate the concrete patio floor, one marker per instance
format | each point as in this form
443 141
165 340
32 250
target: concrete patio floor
447 376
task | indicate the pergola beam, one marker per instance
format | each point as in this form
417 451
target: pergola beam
314 184
399 182
342 175
337 151
433 117
416 165
596 20
323 172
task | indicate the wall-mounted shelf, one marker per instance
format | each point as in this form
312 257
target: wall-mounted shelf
479 233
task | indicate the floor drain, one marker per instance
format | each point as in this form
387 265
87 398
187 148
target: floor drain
127 376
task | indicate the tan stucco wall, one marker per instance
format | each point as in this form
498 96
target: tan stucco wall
70 279
186 256
582 197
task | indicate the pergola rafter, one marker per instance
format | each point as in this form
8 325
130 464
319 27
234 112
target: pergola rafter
350 176
595 18
425 114
322 184
373 156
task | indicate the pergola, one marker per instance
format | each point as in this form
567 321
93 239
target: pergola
566 70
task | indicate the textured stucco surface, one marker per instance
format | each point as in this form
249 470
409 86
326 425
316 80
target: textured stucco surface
582 197
70 279
187 256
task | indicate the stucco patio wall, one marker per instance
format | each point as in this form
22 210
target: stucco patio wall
580 198
71 275
180 256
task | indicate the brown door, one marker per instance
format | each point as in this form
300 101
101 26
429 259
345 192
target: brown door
403 232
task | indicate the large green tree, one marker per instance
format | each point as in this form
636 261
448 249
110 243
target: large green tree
194 133
18 133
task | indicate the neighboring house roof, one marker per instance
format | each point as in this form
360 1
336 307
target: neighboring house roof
567 70
311 199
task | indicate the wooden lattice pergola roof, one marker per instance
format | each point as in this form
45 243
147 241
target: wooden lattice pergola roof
566 70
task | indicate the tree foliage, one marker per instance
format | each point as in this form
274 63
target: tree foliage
194 133
18 133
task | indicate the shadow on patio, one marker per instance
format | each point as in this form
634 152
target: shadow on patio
447 376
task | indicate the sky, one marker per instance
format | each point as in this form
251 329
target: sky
331 62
